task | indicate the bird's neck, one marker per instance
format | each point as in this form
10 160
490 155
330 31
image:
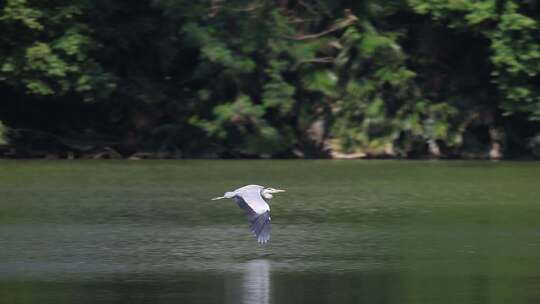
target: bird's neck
267 195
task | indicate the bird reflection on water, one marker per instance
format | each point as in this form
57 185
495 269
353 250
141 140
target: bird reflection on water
256 282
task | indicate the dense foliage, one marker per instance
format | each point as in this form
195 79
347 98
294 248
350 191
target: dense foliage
271 78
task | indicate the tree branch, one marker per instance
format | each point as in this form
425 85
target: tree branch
315 60
349 19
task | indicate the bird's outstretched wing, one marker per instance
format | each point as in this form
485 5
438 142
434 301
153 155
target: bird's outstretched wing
257 212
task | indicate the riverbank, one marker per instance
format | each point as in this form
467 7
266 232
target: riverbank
9 152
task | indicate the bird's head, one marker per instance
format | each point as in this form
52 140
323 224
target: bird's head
267 192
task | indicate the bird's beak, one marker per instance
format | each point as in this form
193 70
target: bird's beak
279 190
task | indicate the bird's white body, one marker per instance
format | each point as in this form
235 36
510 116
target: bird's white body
251 199
253 196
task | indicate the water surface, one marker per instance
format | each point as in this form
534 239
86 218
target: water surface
344 232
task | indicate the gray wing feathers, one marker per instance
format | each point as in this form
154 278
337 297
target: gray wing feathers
261 227
259 223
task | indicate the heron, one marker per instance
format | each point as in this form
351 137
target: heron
253 199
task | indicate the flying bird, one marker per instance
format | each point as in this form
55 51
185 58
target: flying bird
253 199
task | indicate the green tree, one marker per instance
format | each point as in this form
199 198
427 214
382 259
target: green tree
45 49
245 78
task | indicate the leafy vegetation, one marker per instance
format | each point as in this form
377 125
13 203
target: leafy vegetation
244 78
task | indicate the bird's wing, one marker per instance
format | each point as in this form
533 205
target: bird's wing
252 197
259 220
261 227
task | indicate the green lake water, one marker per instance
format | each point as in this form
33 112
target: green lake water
344 232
